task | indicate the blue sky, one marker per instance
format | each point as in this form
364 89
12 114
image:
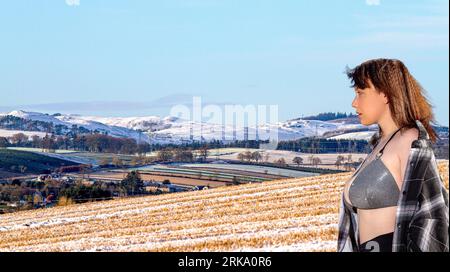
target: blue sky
136 57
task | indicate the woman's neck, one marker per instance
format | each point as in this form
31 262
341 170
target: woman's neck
387 127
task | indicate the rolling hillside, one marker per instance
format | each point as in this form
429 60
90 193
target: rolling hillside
284 215
175 130
34 163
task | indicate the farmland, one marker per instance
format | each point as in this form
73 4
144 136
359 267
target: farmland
214 154
328 160
297 214
31 162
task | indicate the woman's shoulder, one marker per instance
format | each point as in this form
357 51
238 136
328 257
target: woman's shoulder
403 142
408 136
404 139
398 152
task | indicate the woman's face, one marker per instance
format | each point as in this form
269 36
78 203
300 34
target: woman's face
370 105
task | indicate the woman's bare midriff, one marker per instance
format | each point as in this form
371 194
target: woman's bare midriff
376 222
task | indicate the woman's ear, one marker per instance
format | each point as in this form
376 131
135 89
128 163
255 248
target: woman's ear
385 98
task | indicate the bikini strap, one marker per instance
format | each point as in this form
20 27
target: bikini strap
377 156
381 151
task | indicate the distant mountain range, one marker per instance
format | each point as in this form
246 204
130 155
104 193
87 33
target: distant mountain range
175 130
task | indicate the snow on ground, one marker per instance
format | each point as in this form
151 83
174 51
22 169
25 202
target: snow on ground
316 245
39 150
288 156
268 216
145 123
364 135
36 116
299 214
10 133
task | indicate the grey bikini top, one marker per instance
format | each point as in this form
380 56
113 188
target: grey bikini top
374 186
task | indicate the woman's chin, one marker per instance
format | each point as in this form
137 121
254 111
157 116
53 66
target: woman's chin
364 122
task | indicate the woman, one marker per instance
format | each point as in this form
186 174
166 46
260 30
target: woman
395 200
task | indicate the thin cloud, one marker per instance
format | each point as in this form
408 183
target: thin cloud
104 107
73 2
373 2
162 102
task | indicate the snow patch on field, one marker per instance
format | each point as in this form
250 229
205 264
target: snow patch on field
10 133
317 245
364 135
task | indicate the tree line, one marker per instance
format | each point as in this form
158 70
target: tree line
326 116
256 156
85 142
319 145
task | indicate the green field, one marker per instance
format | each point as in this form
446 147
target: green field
229 150
84 157
97 158
31 149
12 160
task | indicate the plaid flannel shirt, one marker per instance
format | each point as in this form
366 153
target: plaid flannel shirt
422 213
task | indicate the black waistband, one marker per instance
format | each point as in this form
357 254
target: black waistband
382 243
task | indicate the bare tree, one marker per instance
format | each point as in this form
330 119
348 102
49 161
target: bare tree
248 155
349 158
281 162
203 153
35 141
241 157
311 159
256 156
298 160
19 139
339 160
316 161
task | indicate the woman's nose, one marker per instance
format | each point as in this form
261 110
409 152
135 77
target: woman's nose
354 104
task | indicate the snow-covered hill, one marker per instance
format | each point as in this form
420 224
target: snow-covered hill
147 123
289 130
71 119
174 130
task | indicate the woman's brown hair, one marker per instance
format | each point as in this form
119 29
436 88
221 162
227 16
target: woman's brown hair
407 99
